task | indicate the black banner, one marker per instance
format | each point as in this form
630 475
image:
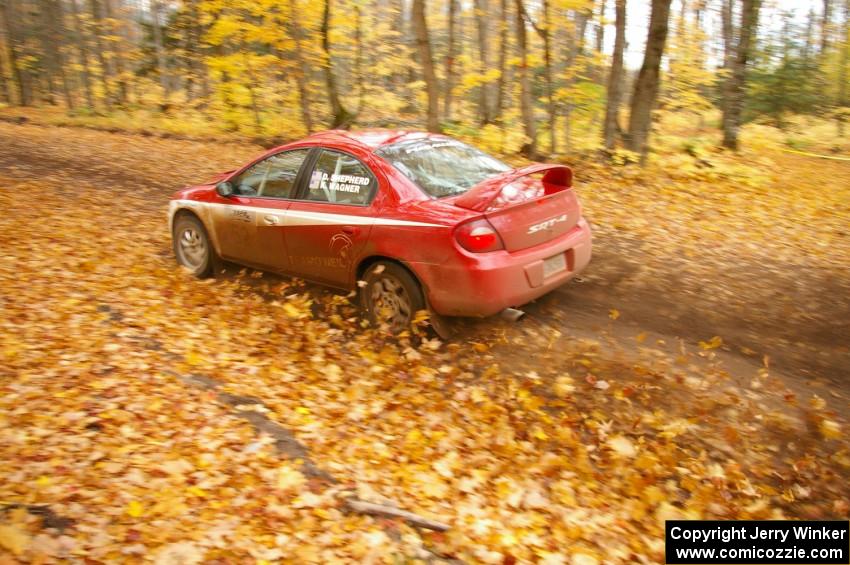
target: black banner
762 542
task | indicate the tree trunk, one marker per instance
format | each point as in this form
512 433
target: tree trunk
544 33
302 74
481 20
120 65
206 90
24 98
398 78
646 85
423 44
56 24
726 16
341 117
228 102
842 71
195 37
159 46
5 91
615 79
412 49
575 48
451 54
94 7
825 27
358 59
808 44
49 47
550 87
82 44
252 92
736 82
529 149
503 57
600 41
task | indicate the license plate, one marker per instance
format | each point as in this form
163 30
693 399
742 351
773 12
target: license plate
554 264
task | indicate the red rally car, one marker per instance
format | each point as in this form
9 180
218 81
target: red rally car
423 219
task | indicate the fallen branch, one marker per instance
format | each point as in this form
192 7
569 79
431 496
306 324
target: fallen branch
373 509
49 518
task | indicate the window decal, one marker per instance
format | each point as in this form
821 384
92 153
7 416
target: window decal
340 178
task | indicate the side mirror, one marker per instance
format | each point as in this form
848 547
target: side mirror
224 189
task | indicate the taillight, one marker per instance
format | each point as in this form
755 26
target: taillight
478 236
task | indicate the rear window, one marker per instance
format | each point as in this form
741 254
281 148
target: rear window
441 167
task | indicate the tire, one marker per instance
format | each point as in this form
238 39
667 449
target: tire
391 296
192 246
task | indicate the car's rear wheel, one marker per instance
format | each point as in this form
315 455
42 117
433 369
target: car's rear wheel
391 296
192 245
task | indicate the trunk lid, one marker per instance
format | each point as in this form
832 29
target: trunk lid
526 206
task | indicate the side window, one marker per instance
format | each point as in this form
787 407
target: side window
273 177
341 179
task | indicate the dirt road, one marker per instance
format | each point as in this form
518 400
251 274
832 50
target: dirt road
809 347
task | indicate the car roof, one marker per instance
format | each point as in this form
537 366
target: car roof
370 139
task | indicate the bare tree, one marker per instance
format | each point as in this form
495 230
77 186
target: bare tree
734 87
423 44
615 78
341 117
646 85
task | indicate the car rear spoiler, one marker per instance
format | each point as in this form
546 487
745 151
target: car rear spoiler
479 197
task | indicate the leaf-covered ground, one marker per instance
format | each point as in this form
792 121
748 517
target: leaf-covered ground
553 441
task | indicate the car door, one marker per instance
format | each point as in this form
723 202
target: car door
249 225
329 225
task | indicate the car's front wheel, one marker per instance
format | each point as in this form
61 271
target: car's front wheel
391 296
192 246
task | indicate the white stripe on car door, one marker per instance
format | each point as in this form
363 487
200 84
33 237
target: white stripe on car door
302 217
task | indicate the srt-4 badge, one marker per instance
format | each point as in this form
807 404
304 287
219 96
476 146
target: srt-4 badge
547 224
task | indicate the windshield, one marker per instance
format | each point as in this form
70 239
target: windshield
442 167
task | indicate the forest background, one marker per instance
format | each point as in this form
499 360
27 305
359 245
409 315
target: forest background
549 77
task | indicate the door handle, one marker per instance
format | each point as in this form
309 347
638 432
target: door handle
271 220
350 230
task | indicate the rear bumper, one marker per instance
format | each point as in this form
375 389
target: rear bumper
485 284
